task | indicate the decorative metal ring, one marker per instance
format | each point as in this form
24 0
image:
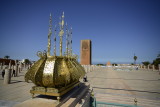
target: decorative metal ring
39 54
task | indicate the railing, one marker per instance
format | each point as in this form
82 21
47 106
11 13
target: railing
106 104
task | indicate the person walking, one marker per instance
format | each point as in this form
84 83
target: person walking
14 73
3 73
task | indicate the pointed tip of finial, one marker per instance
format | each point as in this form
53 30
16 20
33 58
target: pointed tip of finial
50 14
63 15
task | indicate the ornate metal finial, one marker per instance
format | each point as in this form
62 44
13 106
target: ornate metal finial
55 29
71 41
61 32
49 36
67 40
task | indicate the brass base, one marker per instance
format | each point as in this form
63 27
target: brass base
52 91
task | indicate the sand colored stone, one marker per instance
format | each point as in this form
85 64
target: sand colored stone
37 102
86 55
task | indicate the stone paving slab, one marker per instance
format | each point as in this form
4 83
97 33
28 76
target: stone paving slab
41 102
109 86
117 86
4 103
16 92
127 100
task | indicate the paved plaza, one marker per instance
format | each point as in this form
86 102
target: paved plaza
109 86
124 86
16 92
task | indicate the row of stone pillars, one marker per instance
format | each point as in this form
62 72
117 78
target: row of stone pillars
90 68
149 67
11 70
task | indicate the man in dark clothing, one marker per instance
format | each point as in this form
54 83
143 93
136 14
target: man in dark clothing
3 73
14 73
85 78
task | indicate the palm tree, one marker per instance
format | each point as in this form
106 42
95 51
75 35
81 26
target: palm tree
135 58
6 57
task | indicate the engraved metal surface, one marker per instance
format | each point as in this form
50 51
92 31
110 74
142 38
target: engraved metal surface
55 72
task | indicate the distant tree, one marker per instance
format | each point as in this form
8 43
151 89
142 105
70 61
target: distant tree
135 58
100 65
156 62
27 61
114 64
6 57
146 63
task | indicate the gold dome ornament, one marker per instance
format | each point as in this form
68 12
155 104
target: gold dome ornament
55 75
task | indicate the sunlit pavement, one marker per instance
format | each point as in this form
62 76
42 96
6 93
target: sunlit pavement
16 92
124 86
108 85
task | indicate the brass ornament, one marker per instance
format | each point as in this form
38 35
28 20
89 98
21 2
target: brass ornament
55 75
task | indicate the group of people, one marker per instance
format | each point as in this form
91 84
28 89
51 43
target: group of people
13 73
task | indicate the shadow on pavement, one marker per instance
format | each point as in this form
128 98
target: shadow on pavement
124 79
128 90
16 81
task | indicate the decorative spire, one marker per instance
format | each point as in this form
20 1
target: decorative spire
67 40
55 29
61 32
49 36
71 41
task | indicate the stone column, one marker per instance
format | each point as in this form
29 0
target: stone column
9 66
28 66
7 76
12 67
92 67
144 67
89 68
24 65
19 70
1 66
4 66
148 67
20 66
16 69
85 68
153 68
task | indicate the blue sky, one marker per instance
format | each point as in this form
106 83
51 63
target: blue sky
117 28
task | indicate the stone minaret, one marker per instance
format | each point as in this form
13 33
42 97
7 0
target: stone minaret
86 53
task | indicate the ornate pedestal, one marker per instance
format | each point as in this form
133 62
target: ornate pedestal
58 92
